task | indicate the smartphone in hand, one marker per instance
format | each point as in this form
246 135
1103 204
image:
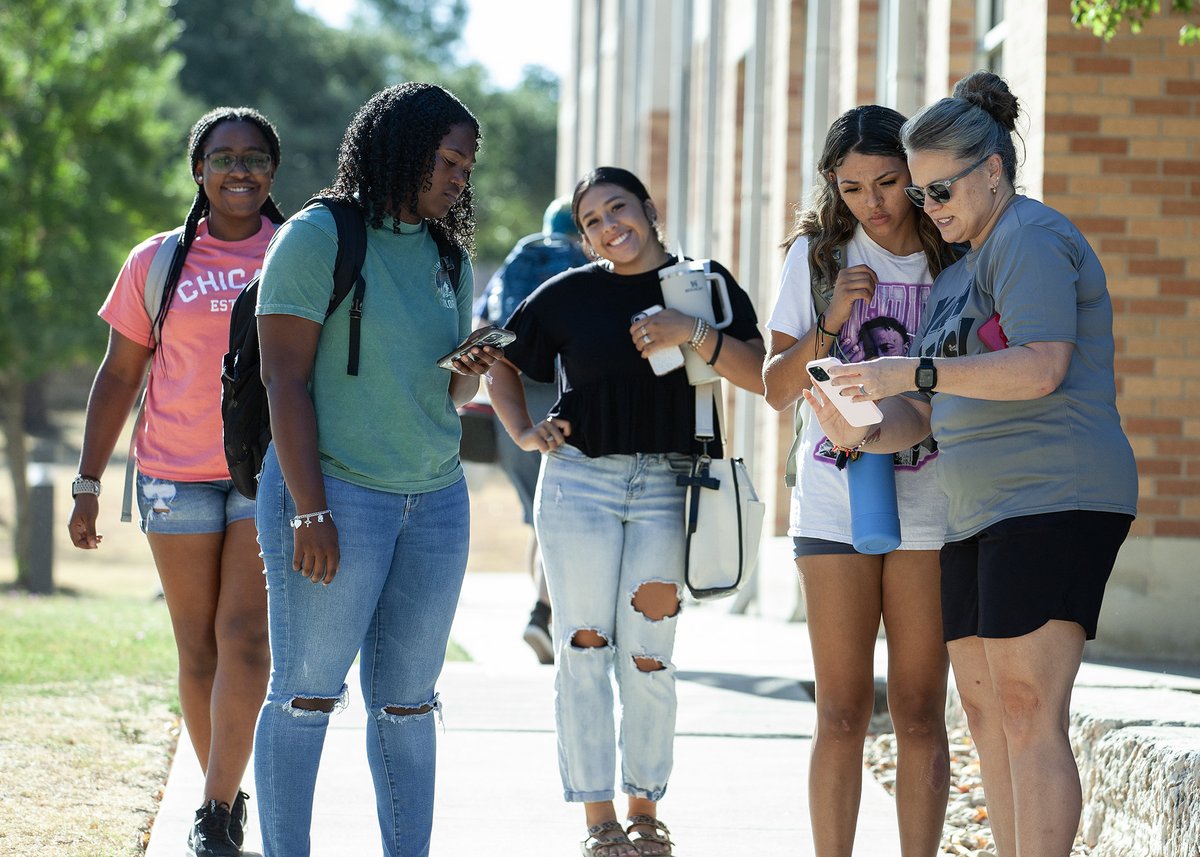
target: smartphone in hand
858 414
665 359
497 337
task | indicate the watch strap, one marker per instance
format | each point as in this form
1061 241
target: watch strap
85 485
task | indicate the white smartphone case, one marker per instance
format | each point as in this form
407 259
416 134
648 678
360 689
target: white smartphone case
665 359
858 414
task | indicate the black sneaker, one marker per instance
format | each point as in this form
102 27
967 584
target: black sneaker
209 836
537 633
237 819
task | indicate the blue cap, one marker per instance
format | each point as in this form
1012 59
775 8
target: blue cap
558 218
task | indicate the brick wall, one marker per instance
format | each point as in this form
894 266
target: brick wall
962 41
1123 161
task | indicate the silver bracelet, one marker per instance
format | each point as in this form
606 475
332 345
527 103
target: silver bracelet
699 333
306 520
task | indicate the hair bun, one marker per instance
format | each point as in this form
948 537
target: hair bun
989 92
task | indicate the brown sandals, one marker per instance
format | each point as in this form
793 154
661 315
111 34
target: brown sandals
607 839
655 842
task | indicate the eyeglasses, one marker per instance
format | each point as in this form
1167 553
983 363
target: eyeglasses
223 162
940 191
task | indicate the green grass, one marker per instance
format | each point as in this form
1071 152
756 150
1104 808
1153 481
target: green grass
49 640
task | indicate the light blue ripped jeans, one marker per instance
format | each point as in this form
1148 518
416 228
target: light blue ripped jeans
606 526
394 596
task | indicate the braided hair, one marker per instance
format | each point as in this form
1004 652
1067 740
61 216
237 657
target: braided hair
387 158
196 140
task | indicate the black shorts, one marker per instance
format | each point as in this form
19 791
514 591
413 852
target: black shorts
809 546
1016 575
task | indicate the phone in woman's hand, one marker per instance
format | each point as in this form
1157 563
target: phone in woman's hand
858 414
497 337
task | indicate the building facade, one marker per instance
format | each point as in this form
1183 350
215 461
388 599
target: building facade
721 107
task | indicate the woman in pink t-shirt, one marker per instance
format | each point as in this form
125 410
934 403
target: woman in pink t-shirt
200 529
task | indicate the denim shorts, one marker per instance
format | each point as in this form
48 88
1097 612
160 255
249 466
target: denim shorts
187 508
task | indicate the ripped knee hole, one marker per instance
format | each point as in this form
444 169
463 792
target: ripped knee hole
588 640
407 712
656 601
319 704
649 665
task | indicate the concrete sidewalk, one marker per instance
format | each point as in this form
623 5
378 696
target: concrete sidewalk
741 755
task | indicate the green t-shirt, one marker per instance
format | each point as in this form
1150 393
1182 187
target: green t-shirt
393 426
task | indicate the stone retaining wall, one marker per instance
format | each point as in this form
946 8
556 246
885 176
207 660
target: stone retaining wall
1138 751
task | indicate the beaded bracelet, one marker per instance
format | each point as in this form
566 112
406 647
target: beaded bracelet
699 334
843 454
306 520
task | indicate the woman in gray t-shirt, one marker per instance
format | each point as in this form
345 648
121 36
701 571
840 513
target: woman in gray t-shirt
1013 372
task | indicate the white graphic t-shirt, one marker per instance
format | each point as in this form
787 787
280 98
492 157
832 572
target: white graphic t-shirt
820 500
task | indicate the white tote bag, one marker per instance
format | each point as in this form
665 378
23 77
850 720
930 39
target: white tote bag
723 515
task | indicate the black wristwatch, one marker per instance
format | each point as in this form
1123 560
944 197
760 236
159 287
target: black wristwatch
926 376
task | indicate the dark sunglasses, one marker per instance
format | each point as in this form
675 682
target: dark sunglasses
940 190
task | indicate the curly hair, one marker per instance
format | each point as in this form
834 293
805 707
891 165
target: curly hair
204 126
387 157
829 223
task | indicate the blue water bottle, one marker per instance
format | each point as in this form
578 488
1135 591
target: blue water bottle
874 517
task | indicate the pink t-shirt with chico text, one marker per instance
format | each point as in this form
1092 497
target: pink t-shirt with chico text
180 435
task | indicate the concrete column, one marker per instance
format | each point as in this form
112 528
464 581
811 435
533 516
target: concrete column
680 127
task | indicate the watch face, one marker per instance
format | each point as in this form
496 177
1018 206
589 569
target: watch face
926 378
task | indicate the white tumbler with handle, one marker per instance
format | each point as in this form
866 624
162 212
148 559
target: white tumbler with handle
689 287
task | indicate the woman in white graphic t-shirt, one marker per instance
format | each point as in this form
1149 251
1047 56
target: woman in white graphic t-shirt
859 267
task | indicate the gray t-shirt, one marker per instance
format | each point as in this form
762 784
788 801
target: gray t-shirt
1064 451
393 426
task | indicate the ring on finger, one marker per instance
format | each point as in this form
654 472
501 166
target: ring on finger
646 338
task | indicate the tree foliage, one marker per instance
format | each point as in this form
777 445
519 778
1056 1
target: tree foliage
309 78
515 176
1104 17
84 148
84 154
306 77
96 99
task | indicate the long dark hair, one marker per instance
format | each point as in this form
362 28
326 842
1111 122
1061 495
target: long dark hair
386 158
200 132
828 223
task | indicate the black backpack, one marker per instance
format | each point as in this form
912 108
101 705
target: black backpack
245 415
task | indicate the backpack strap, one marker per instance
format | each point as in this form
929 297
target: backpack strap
822 295
822 286
450 256
156 277
347 267
152 298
